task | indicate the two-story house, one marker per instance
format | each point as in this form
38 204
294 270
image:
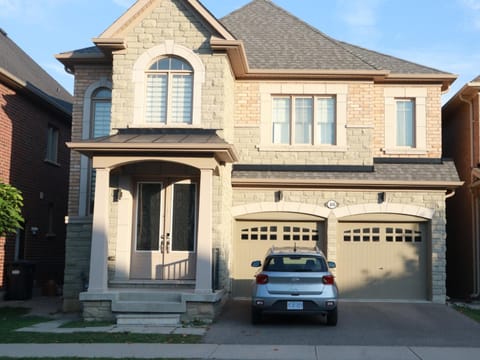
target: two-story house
229 136
35 122
461 141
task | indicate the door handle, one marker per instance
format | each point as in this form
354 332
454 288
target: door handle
162 246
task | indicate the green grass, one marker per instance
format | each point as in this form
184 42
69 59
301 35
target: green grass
79 358
471 313
16 318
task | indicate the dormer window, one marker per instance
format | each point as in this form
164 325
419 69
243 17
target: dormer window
169 92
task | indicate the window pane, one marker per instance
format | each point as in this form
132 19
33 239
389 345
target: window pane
405 123
52 144
156 111
303 120
148 217
182 99
326 121
184 207
101 118
281 121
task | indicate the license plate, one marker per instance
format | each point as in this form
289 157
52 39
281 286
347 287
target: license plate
294 305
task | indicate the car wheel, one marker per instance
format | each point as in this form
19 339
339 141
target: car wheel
332 317
256 316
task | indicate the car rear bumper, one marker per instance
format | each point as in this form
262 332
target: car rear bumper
291 306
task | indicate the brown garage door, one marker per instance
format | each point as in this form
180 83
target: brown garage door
382 261
254 238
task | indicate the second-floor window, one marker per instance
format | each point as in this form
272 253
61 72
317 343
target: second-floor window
101 103
52 144
405 122
304 120
169 93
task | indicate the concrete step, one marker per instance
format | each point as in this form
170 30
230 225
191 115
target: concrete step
149 319
158 307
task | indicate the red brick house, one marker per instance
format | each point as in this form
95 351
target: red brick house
461 142
35 122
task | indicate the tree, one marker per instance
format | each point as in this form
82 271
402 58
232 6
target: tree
11 202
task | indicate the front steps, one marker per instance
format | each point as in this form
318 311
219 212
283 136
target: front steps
149 319
150 304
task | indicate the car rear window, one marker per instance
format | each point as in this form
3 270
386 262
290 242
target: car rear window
295 263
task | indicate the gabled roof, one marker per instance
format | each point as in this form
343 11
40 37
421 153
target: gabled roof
275 39
264 41
21 71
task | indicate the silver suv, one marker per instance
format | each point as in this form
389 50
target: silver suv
294 281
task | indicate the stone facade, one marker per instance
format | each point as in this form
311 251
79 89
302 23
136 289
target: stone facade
240 111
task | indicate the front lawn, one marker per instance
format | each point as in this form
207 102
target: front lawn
16 318
471 313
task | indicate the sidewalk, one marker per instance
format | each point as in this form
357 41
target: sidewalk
237 352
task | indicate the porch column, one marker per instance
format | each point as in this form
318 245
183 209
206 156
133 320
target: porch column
204 242
98 278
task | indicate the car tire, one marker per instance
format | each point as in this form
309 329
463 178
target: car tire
256 316
332 317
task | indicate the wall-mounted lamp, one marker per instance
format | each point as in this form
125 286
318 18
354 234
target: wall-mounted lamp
117 195
278 195
382 197
34 230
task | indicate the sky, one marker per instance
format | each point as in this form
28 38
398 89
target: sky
442 34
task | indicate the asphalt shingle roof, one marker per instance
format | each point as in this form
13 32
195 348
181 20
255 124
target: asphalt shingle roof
441 171
276 39
19 64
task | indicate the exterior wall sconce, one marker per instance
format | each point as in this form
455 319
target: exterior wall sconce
117 195
278 195
382 197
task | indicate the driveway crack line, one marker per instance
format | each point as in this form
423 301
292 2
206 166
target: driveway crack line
414 353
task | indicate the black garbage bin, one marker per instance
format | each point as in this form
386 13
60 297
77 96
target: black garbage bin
19 280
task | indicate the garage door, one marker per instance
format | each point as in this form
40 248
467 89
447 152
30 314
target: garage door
382 261
254 238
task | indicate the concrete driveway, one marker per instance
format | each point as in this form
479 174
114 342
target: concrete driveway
360 323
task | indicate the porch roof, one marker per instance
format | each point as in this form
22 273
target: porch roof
181 142
384 173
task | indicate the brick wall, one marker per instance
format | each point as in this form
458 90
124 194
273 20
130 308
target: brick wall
24 122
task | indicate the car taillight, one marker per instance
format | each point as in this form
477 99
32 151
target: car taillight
262 279
328 279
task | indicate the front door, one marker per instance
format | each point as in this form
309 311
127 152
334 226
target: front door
164 245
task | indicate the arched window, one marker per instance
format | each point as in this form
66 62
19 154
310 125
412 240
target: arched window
101 104
169 92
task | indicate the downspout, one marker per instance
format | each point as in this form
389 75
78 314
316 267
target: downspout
475 234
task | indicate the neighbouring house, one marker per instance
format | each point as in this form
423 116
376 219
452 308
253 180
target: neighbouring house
461 141
35 123
198 143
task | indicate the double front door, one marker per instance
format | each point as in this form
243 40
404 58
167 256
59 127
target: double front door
164 241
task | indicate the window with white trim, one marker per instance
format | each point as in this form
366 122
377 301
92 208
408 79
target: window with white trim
304 120
169 98
405 122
